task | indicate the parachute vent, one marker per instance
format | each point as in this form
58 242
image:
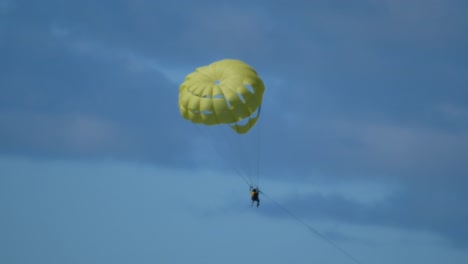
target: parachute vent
250 88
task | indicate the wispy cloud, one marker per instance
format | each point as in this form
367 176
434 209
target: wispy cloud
130 59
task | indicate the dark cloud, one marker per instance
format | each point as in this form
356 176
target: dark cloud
390 63
369 90
62 100
418 208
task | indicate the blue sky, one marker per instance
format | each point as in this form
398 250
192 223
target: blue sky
363 134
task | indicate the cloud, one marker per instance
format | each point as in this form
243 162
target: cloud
321 64
113 210
366 94
435 211
404 150
67 95
80 134
455 112
334 148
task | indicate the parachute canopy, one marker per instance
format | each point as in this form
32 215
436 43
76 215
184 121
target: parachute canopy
224 92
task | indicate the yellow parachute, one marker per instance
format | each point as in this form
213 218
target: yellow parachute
224 92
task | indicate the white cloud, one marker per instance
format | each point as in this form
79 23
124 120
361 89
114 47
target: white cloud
131 59
81 133
401 148
455 112
154 214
